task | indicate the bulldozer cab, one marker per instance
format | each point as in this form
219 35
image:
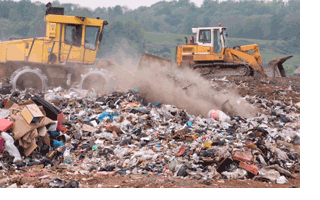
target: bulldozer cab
211 37
78 37
69 39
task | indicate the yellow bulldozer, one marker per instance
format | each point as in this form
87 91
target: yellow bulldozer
210 55
58 59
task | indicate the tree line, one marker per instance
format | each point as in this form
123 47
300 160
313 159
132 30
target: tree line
273 20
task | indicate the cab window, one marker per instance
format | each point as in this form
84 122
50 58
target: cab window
91 37
217 41
205 36
73 34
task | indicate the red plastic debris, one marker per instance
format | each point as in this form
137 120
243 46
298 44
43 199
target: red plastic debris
250 168
60 126
5 124
181 150
242 156
1 144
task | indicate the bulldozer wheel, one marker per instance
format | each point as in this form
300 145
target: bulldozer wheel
27 77
99 80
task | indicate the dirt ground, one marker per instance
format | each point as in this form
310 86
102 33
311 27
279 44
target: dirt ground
267 88
94 180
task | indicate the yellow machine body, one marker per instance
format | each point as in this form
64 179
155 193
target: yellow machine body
210 51
56 59
56 44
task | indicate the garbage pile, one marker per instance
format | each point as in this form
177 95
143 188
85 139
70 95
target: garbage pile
122 133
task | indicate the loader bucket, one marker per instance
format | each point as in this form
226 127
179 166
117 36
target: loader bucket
148 60
275 67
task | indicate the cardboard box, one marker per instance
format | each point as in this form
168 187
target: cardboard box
242 156
31 113
21 127
250 168
5 124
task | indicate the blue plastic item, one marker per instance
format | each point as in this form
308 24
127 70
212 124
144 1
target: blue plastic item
57 143
106 114
189 123
54 133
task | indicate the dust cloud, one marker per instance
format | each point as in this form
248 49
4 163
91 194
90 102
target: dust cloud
183 88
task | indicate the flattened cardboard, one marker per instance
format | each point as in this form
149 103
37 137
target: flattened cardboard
26 137
30 112
46 139
88 128
34 134
31 148
24 144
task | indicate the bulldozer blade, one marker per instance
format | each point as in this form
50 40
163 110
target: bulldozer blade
148 60
275 67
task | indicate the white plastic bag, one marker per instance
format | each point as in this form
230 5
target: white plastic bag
9 146
237 174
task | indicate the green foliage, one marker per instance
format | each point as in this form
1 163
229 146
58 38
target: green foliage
116 31
163 11
273 21
117 10
161 51
14 15
174 20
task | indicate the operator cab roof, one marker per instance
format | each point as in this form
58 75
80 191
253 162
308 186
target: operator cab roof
195 30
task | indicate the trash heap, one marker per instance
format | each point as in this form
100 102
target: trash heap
122 133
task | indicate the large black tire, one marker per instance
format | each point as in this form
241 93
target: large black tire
96 79
28 77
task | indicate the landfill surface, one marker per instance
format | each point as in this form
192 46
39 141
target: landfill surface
120 140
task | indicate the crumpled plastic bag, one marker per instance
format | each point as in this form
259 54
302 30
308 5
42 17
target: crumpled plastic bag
237 174
9 146
218 115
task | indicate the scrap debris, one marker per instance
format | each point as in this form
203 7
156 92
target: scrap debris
121 133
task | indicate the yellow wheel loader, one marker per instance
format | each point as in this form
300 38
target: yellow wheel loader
210 55
59 58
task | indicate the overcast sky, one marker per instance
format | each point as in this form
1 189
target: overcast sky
132 4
